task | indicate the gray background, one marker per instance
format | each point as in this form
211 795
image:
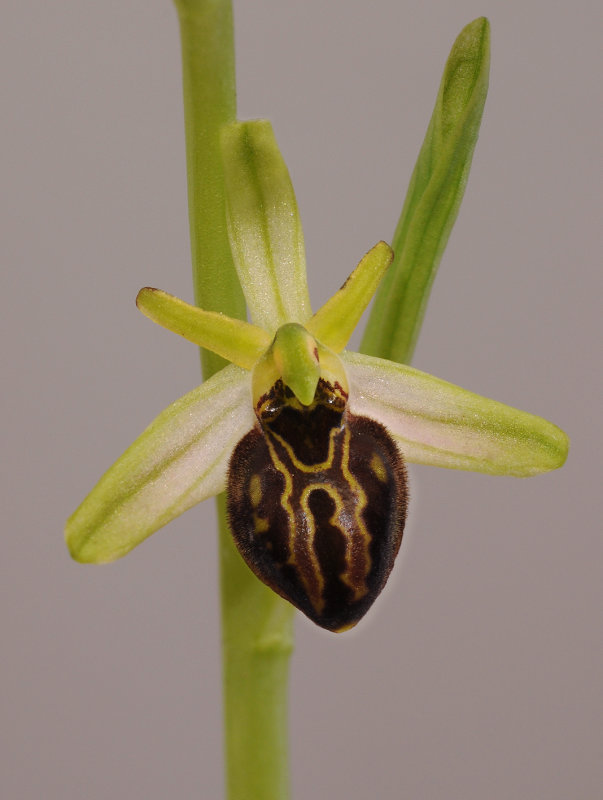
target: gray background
479 672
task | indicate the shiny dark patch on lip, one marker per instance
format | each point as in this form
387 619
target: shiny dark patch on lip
317 502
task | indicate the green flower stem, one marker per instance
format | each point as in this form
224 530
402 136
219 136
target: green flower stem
256 624
257 645
208 82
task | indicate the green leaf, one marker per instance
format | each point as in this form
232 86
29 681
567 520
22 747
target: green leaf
334 322
233 339
265 231
179 460
433 198
435 422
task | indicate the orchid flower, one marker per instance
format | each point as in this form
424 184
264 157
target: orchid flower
221 436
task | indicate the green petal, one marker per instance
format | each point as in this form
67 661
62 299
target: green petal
238 341
334 323
433 198
264 227
435 422
179 460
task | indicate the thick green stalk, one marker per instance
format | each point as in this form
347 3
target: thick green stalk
256 624
208 82
257 645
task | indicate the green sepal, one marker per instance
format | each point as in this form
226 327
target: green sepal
433 198
435 422
230 338
264 227
178 461
334 322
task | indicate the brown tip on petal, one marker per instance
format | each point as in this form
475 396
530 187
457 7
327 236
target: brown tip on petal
144 289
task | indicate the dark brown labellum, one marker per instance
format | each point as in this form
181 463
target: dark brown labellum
317 502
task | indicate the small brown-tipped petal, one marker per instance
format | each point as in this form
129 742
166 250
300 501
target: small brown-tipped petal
233 339
334 322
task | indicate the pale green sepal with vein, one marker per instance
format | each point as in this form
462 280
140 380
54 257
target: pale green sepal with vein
264 227
435 422
334 322
179 460
230 338
433 198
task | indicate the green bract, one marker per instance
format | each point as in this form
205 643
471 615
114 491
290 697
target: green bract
433 198
183 456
